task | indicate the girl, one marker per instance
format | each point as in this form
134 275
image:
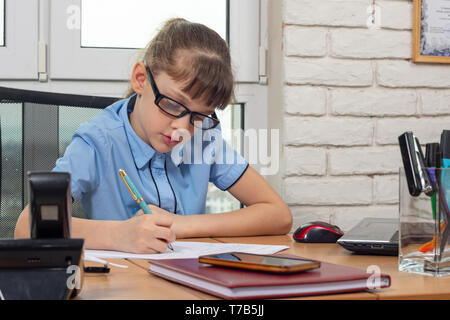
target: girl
184 76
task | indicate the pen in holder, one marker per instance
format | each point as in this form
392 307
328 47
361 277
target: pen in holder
424 226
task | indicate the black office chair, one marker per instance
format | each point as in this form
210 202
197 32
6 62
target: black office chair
35 129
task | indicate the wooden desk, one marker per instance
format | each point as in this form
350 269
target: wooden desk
404 285
312 251
136 283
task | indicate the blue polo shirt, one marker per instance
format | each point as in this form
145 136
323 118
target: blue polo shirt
176 181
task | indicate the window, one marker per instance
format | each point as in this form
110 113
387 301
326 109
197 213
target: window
2 23
106 50
139 20
18 39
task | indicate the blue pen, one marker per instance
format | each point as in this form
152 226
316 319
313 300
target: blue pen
136 195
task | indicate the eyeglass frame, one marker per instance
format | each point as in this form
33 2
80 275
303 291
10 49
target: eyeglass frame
159 96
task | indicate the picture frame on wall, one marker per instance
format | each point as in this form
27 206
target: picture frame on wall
431 31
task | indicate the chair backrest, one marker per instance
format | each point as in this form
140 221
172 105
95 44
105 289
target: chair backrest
35 129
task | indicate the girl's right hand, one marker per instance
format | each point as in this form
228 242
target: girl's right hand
146 233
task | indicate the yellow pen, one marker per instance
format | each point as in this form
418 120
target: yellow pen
136 195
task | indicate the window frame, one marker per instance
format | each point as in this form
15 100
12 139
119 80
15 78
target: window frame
95 63
21 38
2 24
253 97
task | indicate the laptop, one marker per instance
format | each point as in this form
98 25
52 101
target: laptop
377 236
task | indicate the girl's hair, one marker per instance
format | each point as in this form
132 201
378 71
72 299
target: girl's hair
194 55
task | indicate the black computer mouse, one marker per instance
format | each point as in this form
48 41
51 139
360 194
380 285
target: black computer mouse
317 232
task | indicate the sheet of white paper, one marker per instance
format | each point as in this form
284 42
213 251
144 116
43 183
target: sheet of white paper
185 250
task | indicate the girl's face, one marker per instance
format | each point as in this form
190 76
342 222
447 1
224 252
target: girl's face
160 130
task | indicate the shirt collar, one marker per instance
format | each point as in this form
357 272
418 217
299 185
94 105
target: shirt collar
142 152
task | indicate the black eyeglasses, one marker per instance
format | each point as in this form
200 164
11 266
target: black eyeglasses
178 110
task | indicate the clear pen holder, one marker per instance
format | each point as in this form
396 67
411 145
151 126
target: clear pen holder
423 242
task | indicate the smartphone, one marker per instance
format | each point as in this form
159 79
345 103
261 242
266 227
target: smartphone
257 262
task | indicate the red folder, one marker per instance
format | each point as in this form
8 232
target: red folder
231 283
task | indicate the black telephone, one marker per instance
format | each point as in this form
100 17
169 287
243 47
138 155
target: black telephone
49 265
50 204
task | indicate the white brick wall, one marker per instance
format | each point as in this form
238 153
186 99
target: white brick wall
306 161
328 131
396 14
427 129
328 72
297 37
351 13
305 100
365 161
346 43
435 102
373 102
349 92
406 74
386 189
328 191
